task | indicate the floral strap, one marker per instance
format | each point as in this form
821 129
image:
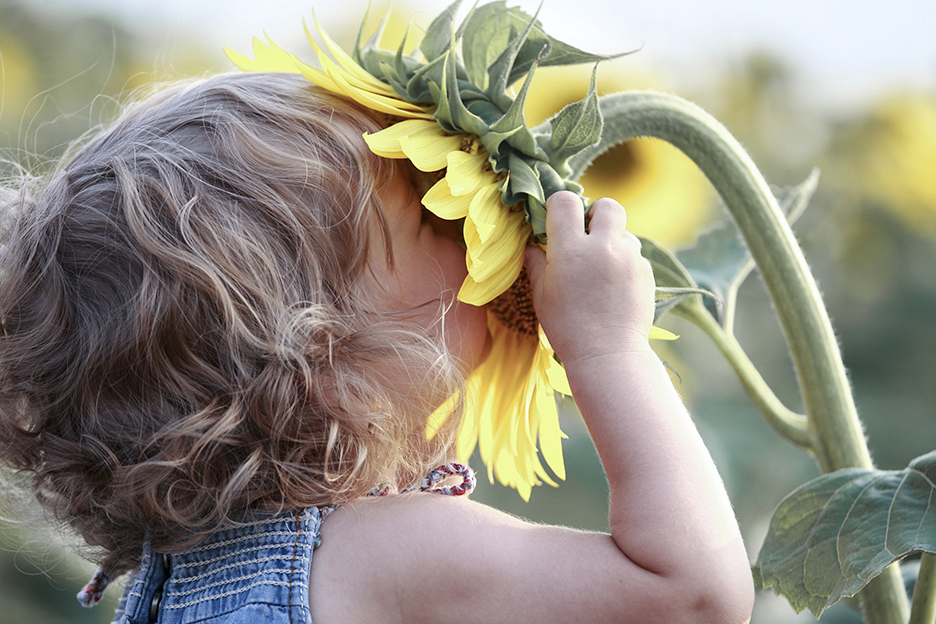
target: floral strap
91 594
432 480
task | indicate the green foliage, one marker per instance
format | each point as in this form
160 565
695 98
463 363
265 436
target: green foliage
715 267
831 536
575 128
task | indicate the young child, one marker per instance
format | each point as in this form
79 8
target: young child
225 320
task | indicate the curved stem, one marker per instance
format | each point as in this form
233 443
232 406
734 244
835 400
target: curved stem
835 430
785 421
924 593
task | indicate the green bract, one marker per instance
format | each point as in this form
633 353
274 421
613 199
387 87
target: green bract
467 73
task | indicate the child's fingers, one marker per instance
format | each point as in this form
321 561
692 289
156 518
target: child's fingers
607 216
565 220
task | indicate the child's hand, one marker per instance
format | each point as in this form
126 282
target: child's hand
593 292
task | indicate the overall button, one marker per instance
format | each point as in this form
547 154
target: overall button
154 605
157 595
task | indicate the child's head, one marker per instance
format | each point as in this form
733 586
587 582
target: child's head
188 330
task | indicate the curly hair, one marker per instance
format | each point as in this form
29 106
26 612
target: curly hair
187 338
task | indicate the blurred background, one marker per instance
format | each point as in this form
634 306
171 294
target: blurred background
846 87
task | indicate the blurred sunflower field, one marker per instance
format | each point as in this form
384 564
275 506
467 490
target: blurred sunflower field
869 235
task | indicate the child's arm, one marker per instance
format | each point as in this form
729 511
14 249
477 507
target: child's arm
675 552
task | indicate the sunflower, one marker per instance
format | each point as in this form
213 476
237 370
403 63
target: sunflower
449 110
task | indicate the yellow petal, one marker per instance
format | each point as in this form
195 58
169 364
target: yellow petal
550 438
554 371
386 142
345 62
429 153
503 251
503 267
658 333
440 202
377 102
268 57
320 78
482 293
357 83
466 172
556 375
488 212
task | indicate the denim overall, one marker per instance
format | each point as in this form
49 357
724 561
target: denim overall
250 574
258 572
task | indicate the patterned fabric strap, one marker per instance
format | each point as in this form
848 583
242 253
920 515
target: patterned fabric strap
431 480
92 592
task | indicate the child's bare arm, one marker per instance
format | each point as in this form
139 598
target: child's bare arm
674 553
594 295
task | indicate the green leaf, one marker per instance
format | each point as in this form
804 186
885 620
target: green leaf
668 298
451 109
796 200
668 271
575 128
720 261
488 31
673 281
519 56
418 89
438 36
564 54
536 216
524 180
831 536
359 54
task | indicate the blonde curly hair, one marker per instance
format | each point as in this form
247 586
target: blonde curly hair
187 339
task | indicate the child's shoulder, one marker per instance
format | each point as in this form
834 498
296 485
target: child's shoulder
422 557
375 548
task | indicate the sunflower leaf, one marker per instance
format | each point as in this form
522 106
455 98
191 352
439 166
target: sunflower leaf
720 261
438 36
417 89
356 52
370 55
488 32
513 124
399 65
575 128
391 76
564 54
460 116
832 535
668 271
672 297
524 180
672 277
522 49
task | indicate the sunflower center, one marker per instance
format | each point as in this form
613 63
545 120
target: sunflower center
514 307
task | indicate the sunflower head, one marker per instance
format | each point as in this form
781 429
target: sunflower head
465 74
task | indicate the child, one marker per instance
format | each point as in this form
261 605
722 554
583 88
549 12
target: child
225 320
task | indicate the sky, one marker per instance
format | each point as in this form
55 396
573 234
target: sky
840 51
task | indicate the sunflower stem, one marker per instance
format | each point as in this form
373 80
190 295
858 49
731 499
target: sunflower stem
835 432
785 421
923 610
